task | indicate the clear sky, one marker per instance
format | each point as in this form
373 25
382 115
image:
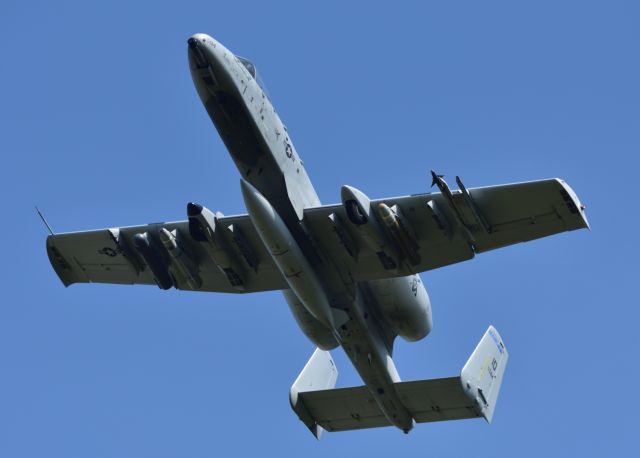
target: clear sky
100 126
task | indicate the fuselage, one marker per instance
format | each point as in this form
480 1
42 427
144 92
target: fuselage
250 127
277 189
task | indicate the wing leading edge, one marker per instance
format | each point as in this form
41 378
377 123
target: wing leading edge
445 229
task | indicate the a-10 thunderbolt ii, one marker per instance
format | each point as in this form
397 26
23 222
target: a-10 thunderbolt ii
349 271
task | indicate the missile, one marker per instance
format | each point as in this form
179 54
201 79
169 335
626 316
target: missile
477 214
181 261
443 187
403 241
387 216
287 255
448 198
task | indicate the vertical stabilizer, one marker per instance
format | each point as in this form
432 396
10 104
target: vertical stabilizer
482 375
319 373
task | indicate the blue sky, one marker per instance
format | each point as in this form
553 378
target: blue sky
101 126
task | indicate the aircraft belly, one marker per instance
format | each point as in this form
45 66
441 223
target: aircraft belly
236 128
365 346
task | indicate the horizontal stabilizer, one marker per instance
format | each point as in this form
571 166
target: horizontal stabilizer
471 395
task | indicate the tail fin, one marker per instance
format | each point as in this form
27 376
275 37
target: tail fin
482 375
319 374
471 395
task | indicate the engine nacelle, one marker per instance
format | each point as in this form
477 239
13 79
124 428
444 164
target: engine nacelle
316 331
404 304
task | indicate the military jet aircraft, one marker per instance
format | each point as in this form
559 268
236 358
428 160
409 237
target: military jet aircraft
348 271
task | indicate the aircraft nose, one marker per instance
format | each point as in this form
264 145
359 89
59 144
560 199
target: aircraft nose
208 62
203 49
200 39
198 50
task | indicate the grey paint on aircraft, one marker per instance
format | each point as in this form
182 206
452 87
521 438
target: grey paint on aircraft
349 271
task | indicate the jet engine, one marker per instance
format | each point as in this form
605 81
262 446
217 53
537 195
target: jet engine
404 304
317 332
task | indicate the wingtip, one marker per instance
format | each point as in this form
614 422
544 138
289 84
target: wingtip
578 204
61 267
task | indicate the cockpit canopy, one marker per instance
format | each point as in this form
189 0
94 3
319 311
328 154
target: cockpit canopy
248 65
252 70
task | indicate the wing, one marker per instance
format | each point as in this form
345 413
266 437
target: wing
439 231
239 262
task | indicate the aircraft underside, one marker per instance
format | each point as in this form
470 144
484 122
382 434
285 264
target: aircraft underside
349 271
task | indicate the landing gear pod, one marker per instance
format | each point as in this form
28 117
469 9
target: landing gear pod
359 212
355 213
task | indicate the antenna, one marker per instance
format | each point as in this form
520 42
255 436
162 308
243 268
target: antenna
44 221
